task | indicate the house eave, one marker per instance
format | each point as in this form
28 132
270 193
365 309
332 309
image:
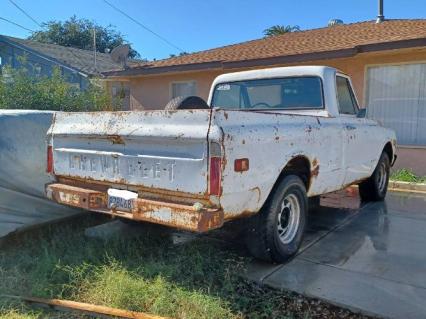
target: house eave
276 60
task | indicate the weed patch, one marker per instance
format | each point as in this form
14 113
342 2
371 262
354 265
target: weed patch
407 175
147 273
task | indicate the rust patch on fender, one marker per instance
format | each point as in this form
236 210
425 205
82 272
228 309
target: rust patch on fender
116 139
259 193
210 220
244 214
315 169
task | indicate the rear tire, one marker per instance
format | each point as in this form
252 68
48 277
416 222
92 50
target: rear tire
375 187
314 203
186 103
276 232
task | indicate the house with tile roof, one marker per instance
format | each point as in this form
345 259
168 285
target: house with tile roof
77 65
386 60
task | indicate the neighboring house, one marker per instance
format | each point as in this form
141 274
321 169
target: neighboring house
387 62
76 65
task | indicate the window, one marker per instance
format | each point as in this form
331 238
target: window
280 93
120 91
345 96
184 88
396 97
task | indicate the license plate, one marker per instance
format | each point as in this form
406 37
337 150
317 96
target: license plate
121 199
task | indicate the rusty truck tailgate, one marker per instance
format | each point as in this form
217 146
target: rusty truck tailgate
157 149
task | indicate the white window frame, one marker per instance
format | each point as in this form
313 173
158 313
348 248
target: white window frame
365 84
357 106
182 82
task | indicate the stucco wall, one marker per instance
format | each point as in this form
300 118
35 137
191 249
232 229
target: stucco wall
154 92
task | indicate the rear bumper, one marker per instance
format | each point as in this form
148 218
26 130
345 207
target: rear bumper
193 218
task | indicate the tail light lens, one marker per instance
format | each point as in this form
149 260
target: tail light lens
241 165
215 176
49 166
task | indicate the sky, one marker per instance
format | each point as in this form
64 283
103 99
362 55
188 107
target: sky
196 25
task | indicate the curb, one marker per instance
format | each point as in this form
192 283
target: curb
398 186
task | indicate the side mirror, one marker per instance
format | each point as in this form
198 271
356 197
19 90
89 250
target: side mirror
362 113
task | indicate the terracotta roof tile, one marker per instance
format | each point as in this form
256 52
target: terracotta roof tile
335 38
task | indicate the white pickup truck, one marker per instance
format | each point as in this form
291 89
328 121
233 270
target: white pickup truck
265 142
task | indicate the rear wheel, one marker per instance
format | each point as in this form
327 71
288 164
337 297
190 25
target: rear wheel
186 103
314 203
375 187
275 233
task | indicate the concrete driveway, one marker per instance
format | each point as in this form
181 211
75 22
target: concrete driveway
369 258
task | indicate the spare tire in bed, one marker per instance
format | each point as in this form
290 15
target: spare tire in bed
186 103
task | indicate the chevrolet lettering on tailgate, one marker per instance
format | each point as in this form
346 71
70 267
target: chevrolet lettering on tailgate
115 164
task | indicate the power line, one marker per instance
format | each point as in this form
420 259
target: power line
24 12
144 26
16 24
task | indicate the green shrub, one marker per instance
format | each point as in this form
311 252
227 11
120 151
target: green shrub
407 175
21 90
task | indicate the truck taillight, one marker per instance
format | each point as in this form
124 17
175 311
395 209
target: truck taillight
49 166
215 176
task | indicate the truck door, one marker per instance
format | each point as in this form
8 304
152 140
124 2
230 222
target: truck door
359 147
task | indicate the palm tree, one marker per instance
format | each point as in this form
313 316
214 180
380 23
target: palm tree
280 29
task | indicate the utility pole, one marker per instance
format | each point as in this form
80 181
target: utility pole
94 48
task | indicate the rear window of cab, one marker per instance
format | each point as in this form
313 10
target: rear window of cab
277 93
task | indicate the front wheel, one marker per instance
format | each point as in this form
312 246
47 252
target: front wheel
375 187
276 232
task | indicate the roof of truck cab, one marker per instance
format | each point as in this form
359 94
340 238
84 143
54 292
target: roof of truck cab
311 70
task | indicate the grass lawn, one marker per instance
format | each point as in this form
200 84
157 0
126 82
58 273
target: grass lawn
406 175
147 272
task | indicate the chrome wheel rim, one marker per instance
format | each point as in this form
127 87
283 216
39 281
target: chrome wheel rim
288 219
381 177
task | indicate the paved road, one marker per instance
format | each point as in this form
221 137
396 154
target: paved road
370 259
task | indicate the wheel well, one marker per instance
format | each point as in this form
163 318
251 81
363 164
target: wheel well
388 149
299 166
